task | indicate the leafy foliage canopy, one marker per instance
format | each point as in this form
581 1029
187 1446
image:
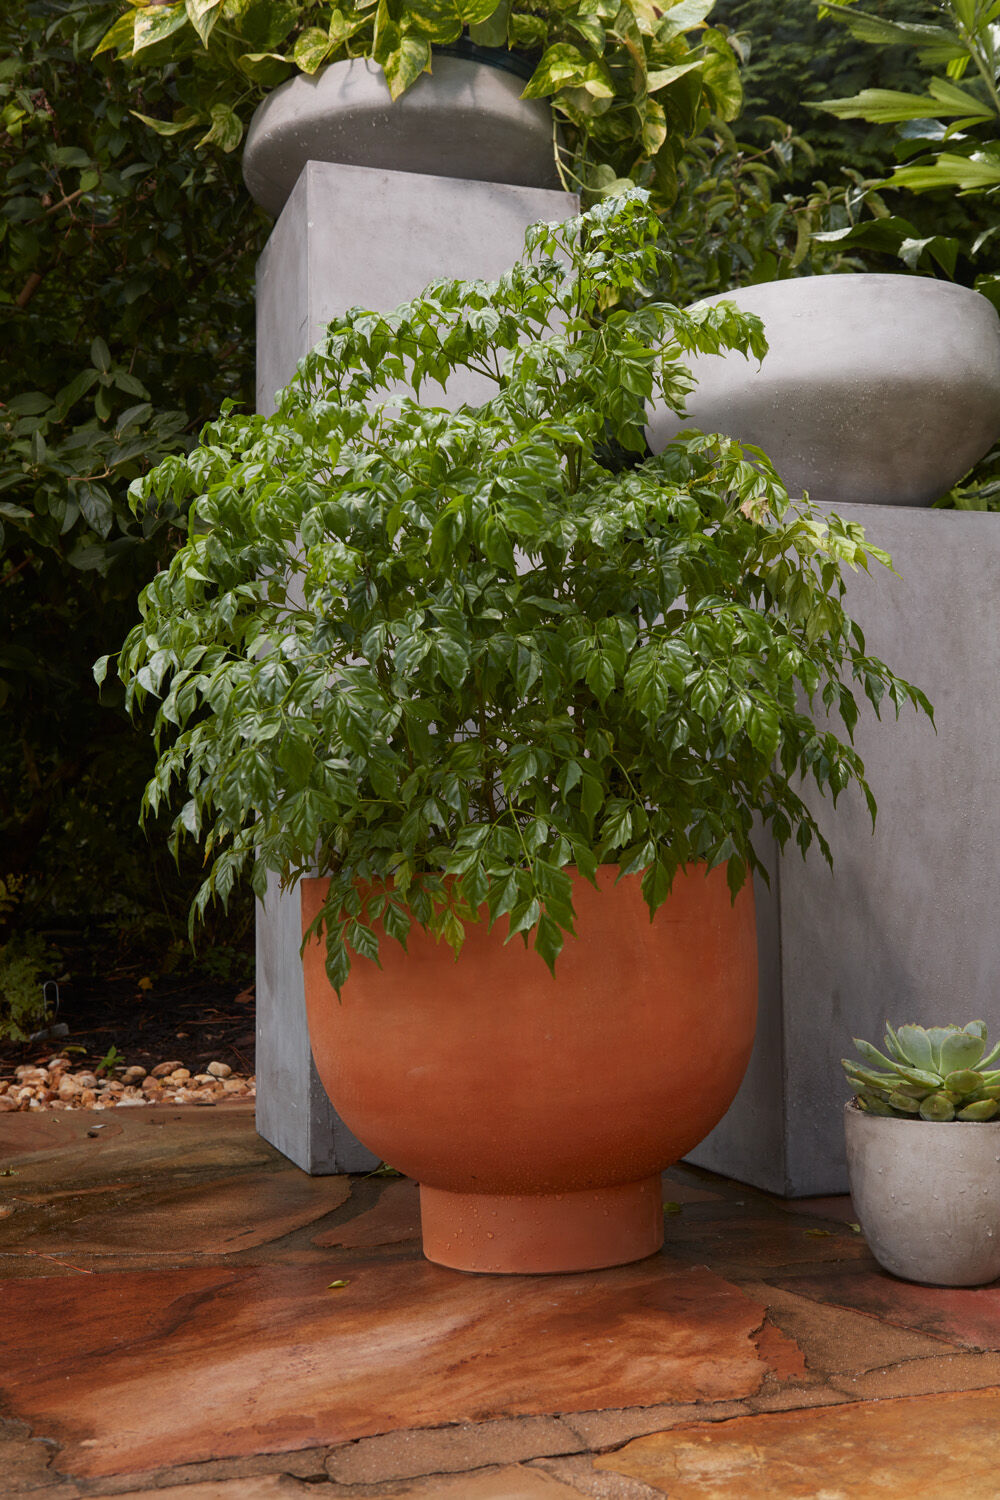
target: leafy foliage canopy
448 655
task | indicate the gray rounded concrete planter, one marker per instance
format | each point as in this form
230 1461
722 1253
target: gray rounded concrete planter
927 1196
877 390
465 119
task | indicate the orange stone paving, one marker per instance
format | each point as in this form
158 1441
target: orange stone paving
969 1316
168 1325
928 1448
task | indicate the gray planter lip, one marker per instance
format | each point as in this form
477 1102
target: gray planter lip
799 287
892 1121
465 119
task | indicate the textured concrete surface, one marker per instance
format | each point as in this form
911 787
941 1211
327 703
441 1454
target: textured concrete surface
874 388
216 1367
928 1200
337 245
904 927
464 119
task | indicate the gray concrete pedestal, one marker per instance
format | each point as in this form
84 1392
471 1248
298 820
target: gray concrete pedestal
905 928
354 236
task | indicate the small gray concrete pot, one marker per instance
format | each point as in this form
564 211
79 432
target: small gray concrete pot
927 1196
465 119
878 390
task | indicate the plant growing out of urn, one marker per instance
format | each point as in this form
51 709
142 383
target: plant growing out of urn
940 1073
353 669
485 670
923 1143
627 82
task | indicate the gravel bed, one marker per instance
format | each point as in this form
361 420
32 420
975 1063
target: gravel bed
61 1084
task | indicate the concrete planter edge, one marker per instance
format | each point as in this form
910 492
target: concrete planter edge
876 389
927 1196
466 119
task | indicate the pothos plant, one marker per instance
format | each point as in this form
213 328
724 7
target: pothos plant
629 81
443 656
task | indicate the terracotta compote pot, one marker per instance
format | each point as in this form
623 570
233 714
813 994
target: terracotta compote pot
537 1112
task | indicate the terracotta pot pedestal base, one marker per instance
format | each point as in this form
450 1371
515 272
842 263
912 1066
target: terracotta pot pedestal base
534 1234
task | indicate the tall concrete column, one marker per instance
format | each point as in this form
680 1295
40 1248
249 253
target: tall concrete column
351 236
905 927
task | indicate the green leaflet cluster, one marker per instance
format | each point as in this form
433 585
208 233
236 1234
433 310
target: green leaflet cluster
935 1074
446 656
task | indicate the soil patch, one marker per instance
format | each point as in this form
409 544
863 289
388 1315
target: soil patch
146 1017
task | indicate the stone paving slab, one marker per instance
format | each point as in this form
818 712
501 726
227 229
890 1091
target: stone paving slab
929 1447
169 1328
284 1361
969 1316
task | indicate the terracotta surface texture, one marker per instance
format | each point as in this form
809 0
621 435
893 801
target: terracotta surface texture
931 1447
184 1310
562 1120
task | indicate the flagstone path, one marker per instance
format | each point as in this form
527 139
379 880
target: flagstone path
184 1312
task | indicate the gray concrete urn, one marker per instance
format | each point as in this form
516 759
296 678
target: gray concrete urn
927 1196
876 389
465 119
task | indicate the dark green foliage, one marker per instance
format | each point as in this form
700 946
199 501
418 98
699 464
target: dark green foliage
798 56
125 318
351 666
24 965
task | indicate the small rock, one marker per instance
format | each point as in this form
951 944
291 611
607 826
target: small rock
68 1087
88 1097
204 1079
152 1086
135 1098
219 1070
203 1096
163 1069
133 1075
86 1080
7 1103
58 1062
234 1085
179 1075
115 1087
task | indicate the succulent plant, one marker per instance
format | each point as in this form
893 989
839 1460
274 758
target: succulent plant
938 1073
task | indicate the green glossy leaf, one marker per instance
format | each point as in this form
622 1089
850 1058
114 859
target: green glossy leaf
226 130
312 47
203 15
155 23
